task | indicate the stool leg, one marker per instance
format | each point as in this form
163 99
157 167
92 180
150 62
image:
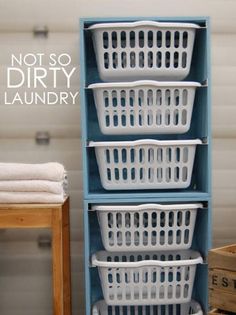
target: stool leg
57 264
66 258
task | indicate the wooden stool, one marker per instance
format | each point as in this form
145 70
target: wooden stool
56 217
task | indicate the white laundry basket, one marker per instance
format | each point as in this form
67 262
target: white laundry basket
192 308
147 278
144 107
147 227
144 49
145 164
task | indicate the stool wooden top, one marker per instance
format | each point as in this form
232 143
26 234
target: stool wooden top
55 217
31 215
33 206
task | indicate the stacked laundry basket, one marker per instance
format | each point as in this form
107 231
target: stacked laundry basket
146 156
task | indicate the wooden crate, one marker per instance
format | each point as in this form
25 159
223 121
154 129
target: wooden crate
222 278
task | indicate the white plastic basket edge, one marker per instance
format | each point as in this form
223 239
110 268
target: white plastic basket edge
147 206
193 304
196 307
143 142
197 259
144 83
118 25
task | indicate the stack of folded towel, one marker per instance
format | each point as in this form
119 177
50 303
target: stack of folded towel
32 183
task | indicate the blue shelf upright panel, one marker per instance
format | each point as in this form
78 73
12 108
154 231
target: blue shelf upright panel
200 187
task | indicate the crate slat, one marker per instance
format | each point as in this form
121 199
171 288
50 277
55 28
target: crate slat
222 300
223 258
222 278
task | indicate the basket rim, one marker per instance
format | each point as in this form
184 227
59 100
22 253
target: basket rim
197 259
147 206
144 83
118 25
143 142
102 303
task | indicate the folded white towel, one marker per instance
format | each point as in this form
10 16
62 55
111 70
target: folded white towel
32 186
17 171
30 197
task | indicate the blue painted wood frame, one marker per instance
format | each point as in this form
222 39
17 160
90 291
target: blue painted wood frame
200 127
200 189
201 243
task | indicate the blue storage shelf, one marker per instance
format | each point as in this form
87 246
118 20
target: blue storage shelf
201 242
200 289
198 129
198 191
199 187
200 125
93 243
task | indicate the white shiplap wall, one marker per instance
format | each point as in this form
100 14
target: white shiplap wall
29 284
